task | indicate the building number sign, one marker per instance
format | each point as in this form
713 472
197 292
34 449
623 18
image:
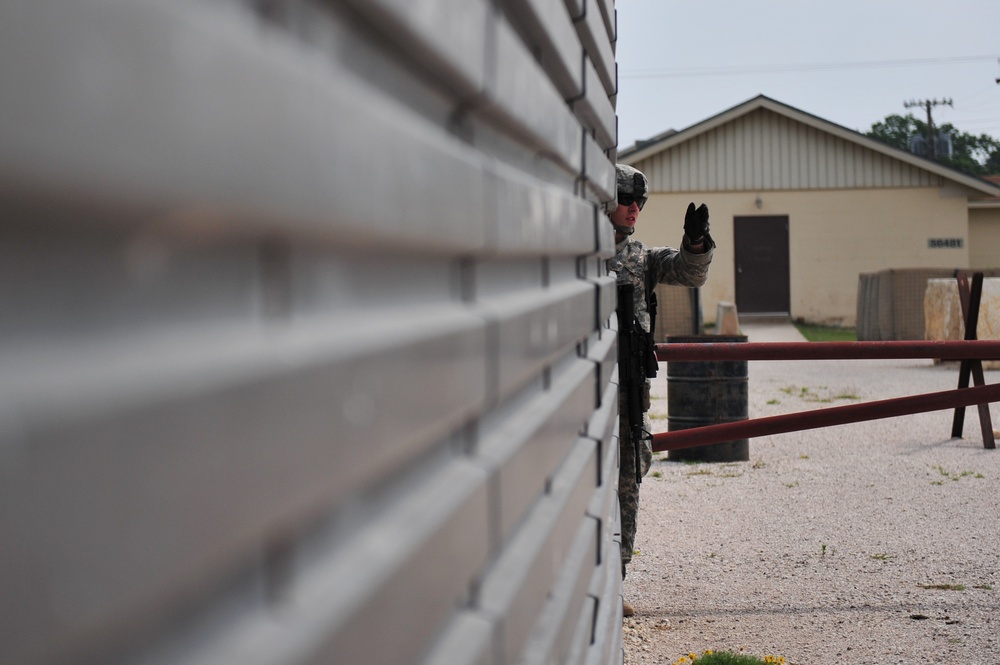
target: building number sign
945 243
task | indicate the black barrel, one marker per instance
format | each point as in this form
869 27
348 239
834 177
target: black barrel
706 392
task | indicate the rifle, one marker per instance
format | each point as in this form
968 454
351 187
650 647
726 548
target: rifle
631 368
649 345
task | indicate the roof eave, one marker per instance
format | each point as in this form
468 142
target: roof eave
984 203
759 102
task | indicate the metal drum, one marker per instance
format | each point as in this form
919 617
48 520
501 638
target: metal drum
703 393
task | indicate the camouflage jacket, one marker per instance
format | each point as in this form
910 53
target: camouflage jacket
671 266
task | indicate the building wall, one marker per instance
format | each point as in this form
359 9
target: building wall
307 351
764 150
834 236
984 238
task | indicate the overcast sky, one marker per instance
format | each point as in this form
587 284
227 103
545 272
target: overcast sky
852 62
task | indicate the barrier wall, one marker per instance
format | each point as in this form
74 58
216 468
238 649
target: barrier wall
306 342
678 312
891 302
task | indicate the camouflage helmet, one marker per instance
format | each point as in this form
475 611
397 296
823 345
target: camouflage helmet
632 181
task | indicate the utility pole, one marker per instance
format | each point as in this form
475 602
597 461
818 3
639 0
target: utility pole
929 104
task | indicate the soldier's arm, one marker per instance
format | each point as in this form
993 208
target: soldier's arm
681 267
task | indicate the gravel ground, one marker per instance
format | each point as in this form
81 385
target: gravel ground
869 543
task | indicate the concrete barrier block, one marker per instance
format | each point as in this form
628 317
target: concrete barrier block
943 313
727 322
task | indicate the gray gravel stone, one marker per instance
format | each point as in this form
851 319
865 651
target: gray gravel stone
870 543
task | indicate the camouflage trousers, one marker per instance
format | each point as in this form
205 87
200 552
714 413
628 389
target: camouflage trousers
628 488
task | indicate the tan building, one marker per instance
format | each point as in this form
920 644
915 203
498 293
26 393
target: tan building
800 207
984 229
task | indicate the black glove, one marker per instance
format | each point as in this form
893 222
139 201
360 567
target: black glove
696 223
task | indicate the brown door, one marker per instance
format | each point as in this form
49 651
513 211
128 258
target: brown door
762 279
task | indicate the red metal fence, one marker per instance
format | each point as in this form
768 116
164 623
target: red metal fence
970 351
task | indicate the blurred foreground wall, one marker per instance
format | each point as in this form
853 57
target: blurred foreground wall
306 343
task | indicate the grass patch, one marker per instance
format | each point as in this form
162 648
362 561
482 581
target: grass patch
943 587
953 476
704 469
814 394
701 472
727 658
818 333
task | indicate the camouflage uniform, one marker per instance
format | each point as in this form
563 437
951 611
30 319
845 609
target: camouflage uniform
669 266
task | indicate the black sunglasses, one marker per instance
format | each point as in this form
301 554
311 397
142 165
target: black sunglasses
629 199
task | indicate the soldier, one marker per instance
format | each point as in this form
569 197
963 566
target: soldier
638 269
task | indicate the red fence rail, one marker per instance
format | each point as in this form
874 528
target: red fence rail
837 415
944 349
948 350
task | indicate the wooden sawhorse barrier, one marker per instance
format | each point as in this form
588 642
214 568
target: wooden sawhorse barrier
970 298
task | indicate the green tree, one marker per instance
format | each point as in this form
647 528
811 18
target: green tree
896 130
975 155
993 163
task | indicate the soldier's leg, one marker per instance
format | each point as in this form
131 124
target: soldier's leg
646 450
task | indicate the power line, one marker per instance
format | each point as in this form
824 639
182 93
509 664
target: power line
729 70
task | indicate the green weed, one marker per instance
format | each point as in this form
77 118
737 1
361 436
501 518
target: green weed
710 657
953 476
818 395
943 587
